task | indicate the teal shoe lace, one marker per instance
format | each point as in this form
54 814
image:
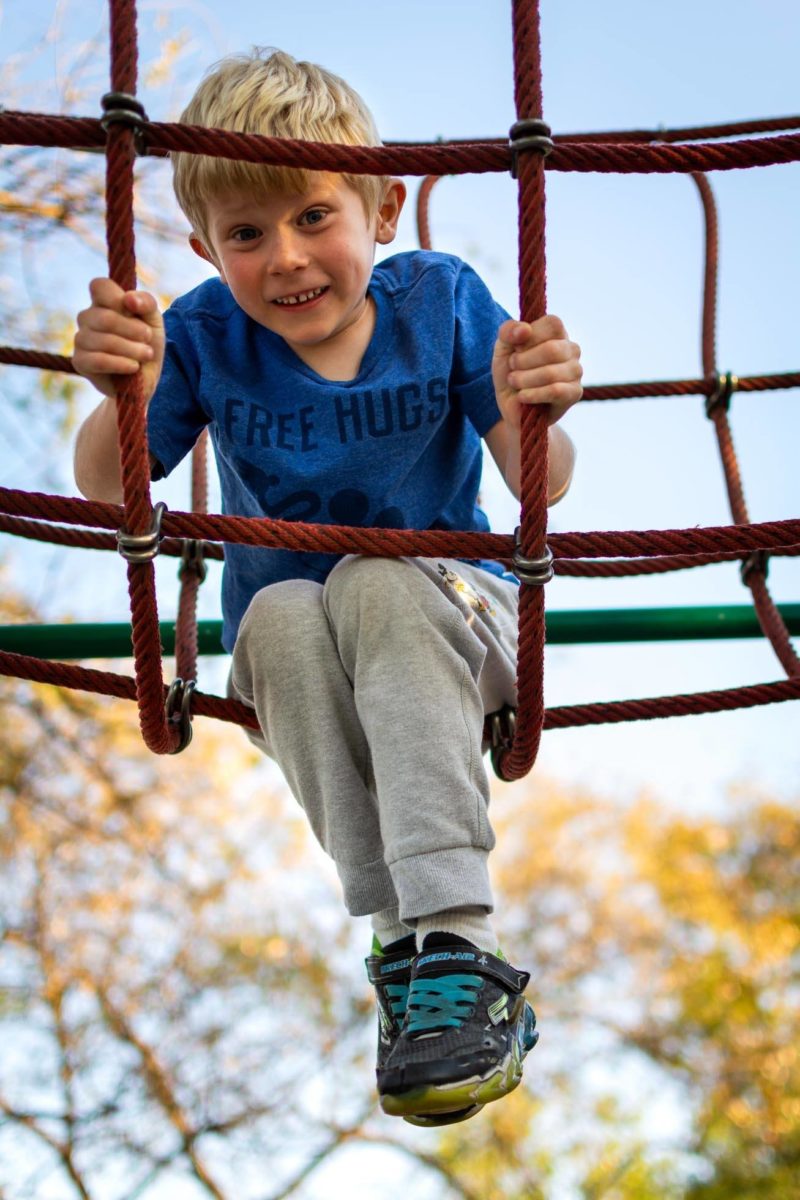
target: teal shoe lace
439 1003
397 994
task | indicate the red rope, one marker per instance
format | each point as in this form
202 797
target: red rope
769 618
21 666
453 158
586 554
425 543
131 419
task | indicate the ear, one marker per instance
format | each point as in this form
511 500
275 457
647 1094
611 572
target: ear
202 251
389 211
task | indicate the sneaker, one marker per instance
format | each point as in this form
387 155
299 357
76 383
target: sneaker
466 1032
390 975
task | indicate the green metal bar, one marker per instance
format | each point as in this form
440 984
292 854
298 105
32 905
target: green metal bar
564 627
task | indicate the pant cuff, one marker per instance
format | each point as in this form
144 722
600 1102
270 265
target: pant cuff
367 887
443 879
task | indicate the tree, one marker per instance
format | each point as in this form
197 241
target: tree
182 998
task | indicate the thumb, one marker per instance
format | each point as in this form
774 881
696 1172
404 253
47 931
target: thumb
144 306
510 335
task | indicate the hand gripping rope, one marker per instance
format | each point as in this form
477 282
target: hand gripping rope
142 530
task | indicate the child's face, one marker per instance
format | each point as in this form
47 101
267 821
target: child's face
299 263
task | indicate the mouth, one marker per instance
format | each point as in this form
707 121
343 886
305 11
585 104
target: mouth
300 299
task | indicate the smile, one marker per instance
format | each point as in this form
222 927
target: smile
300 297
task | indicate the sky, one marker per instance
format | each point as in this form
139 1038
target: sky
624 273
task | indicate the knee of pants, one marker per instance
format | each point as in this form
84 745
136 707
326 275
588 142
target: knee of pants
282 623
375 582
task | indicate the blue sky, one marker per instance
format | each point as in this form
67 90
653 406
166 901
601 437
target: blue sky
624 271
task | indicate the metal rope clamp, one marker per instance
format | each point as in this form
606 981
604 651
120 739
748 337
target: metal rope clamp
530 134
503 727
178 710
142 547
120 108
193 560
536 571
727 384
757 561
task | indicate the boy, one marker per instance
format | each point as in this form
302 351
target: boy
340 393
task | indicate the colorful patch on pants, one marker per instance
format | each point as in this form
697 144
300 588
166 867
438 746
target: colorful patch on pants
476 600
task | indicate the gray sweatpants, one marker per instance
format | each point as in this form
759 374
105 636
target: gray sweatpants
371 693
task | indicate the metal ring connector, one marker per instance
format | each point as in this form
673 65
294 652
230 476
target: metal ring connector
120 108
530 134
193 560
142 547
532 570
180 693
757 561
503 727
721 396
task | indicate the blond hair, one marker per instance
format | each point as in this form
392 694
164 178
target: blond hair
269 92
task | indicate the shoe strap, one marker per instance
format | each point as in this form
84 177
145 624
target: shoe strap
449 960
389 968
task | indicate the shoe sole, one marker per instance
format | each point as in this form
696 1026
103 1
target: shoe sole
437 1120
443 1098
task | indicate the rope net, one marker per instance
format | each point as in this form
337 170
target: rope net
140 530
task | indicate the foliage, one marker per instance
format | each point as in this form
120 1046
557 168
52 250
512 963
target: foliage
180 999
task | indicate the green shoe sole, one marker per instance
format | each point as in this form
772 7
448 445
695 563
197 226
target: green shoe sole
440 1099
437 1120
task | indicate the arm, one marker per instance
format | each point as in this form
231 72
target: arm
534 364
119 334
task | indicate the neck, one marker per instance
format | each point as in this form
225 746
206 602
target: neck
340 357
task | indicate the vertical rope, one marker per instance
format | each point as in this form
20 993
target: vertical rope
192 572
533 490
423 204
131 422
772 623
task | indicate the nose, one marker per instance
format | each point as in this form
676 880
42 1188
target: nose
286 252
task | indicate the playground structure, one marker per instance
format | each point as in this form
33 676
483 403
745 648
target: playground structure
140 530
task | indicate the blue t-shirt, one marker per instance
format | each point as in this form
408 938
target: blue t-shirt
398 446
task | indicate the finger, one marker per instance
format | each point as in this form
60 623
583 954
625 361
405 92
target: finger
90 342
548 328
99 364
109 322
106 293
548 354
144 306
510 335
538 386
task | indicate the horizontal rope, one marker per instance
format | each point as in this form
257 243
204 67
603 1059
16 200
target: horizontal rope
687 387
692 704
687 133
20 356
34 129
615 568
107 683
389 543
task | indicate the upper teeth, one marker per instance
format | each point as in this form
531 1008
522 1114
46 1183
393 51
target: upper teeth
300 297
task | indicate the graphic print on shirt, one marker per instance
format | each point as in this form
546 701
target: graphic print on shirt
358 416
348 506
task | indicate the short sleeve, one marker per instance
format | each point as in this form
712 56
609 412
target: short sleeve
478 317
175 417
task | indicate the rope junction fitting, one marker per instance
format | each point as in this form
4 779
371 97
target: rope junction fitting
178 711
142 547
535 571
528 136
166 712
720 398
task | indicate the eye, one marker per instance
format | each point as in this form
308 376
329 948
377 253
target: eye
313 216
247 233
